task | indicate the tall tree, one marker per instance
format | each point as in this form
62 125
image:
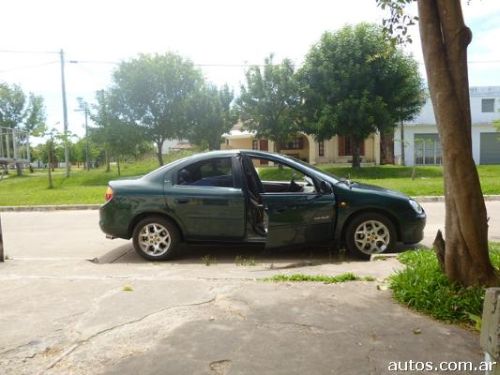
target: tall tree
354 83
153 91
464 253
403 91
269 100
210 115
117 136
20 111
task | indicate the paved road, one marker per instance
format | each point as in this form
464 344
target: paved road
76 235
435 220
61 314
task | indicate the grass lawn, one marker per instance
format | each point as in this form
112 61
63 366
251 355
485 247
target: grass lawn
423 287
81 187
428 180
89 187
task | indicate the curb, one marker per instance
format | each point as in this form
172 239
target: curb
78 207
61 207
437 198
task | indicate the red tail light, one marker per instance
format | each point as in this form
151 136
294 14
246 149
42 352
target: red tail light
109 194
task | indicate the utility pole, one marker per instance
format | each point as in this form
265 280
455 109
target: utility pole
65 115
83 106
87 162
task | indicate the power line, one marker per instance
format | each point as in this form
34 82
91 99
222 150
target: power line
93 62
28 52
28 67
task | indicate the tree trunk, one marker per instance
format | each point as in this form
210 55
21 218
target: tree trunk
118 165
49 154
106 158
19 169
402 138
444 43
159 146
356 151
215 145
387 147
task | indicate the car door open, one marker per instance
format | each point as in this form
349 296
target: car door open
297 209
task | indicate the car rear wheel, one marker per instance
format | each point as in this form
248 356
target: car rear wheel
368 234
156 238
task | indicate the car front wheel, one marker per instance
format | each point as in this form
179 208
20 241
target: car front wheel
156 238
368 234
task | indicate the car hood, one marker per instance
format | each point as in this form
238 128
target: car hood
367 188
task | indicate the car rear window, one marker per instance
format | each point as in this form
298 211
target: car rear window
214 172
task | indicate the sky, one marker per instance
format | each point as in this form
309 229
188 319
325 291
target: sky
221 36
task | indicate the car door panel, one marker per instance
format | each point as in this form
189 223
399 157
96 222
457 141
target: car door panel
209 213
296 218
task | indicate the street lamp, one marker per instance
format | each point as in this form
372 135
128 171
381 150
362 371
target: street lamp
83 107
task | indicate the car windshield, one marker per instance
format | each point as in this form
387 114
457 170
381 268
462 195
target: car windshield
320 171
164 167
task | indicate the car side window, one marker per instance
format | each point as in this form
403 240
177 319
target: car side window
281 178
213 172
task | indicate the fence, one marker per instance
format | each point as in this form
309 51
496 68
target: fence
14 146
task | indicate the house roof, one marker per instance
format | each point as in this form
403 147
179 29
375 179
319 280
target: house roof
237 132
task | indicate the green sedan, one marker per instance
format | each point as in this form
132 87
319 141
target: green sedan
223 196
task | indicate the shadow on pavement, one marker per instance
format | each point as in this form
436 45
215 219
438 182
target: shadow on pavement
225 253
244 254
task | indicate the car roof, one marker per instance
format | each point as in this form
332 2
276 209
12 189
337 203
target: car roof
225 153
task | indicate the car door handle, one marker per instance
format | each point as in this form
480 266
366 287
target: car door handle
182 200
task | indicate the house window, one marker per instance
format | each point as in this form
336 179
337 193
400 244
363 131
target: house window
294 144
345 146
428 149
321 148
255 144
488 105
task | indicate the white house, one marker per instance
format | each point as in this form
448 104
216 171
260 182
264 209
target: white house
421 140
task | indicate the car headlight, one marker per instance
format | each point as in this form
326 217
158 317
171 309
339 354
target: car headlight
418 208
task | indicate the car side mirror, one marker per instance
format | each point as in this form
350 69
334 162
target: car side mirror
325 188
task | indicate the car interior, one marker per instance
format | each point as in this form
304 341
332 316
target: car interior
214 172
281 178
271 179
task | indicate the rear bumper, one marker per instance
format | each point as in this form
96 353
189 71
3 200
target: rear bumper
113 222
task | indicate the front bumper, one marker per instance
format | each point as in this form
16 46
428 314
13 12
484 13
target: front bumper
412 231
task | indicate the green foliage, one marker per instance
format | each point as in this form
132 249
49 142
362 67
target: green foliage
115 134
300 277
209 116
424 287
496 124
269 100
20 111
154 92
355 82
398 22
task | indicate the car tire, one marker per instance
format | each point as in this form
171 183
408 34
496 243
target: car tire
368 234
156 238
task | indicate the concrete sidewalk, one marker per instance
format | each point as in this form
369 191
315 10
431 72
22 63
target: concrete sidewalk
130 317
73 302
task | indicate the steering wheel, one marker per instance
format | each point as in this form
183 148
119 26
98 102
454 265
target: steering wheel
293 187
